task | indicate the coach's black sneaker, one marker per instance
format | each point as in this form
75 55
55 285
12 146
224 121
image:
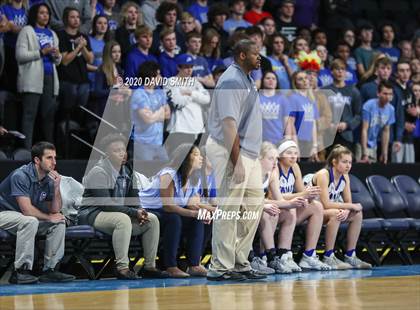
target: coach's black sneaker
228 276
22 277
153 273
253 275
126 274
51 275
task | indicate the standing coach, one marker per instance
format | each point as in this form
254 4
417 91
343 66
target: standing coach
235 127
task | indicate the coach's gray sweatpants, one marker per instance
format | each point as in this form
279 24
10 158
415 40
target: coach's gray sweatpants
26 228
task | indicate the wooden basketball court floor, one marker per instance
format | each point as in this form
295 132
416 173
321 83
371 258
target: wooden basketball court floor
390 287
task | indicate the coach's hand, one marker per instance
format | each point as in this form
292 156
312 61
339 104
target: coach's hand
142 216
239 173
56 217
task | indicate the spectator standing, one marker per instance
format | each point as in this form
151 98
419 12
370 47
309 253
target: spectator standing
149 110
130 21
139 53
15 15
113 15
416 120
57 12
236 19
148 9
282 65
387 44
97 42
77 54
108 76
378 115
342 52
218 13
403 91
201 68
345 104
199 10
168 66
210 49
284 19
189 98
272 109
37 54
167 15
364 53
256 13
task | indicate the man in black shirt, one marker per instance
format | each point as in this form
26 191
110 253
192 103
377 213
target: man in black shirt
284 19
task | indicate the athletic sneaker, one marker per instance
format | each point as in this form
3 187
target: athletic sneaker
253 275
335 263
279 265
291 263
227 276
260 265
312 263
22 277
356 262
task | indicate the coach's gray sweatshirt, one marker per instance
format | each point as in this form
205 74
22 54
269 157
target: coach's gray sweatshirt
57 8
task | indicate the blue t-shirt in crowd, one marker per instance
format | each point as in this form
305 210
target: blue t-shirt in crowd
231 24
213 63
351 76
167 64
377 118
23 182
325 77
305 112
272 109
45 39
152 100
133 61
150 197
392 53
201 67
18 17
97 47
199 12
281 73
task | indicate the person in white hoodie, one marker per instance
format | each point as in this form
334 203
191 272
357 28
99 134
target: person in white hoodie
37 55
188 97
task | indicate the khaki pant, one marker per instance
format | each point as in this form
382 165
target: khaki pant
25 228
122 227
232 237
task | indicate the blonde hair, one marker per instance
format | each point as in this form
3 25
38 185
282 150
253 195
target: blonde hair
108 63
336 153
124 10
265 148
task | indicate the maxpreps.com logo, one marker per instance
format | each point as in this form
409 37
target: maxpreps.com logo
219 214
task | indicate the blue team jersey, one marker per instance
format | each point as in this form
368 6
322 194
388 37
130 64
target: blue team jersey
287 181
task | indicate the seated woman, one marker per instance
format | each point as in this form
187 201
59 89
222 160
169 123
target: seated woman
276 211
291 186
174 197
338 207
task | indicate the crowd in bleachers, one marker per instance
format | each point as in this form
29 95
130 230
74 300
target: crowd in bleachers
64 55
